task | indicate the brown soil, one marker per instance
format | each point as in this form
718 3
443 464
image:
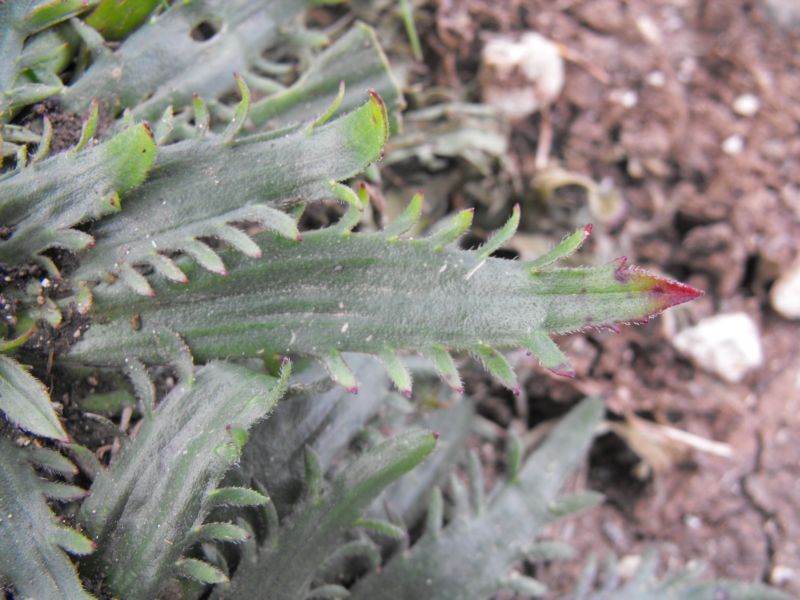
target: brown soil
648 103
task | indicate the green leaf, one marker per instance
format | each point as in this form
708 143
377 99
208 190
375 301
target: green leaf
236 496
383 527
199 571
26 402
362 293
220 532
356 60
114 19
314 529
40 203
453 562
30 558
324 422
142 512
565 248
211 184
162 64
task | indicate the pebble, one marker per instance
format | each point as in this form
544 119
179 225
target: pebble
727 345
785 293
521 75
746 105
733 144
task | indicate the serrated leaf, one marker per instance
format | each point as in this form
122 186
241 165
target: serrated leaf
407 220
452 228
497 365
198 185
141 511
574 503
356 59
383 527
314 529
325 422
26 402
30 558
540 345
328 294
71 541
42 203
454 563
162 64
398 372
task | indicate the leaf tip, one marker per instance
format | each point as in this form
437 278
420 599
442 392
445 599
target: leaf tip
564 370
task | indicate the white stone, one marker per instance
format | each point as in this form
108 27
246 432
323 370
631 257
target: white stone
521 75
785 293
727 345
746 105
733 144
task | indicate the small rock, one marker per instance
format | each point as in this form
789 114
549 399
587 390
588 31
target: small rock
727 345
785 293
746 105
733 144
521 75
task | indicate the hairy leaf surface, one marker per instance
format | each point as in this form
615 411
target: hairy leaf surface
455 563
26 401
41 202
142 510
164 64
199 186
31 541
312 532
363 292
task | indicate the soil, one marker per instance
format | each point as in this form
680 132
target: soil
709 196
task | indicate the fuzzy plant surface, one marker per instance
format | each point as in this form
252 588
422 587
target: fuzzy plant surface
377 293
161 262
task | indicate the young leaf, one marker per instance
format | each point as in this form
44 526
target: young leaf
26 402
314 529
454 563
41 203
356 59
142 511
30 538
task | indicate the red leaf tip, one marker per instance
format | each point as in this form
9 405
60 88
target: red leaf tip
668 292
564 370
587 230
